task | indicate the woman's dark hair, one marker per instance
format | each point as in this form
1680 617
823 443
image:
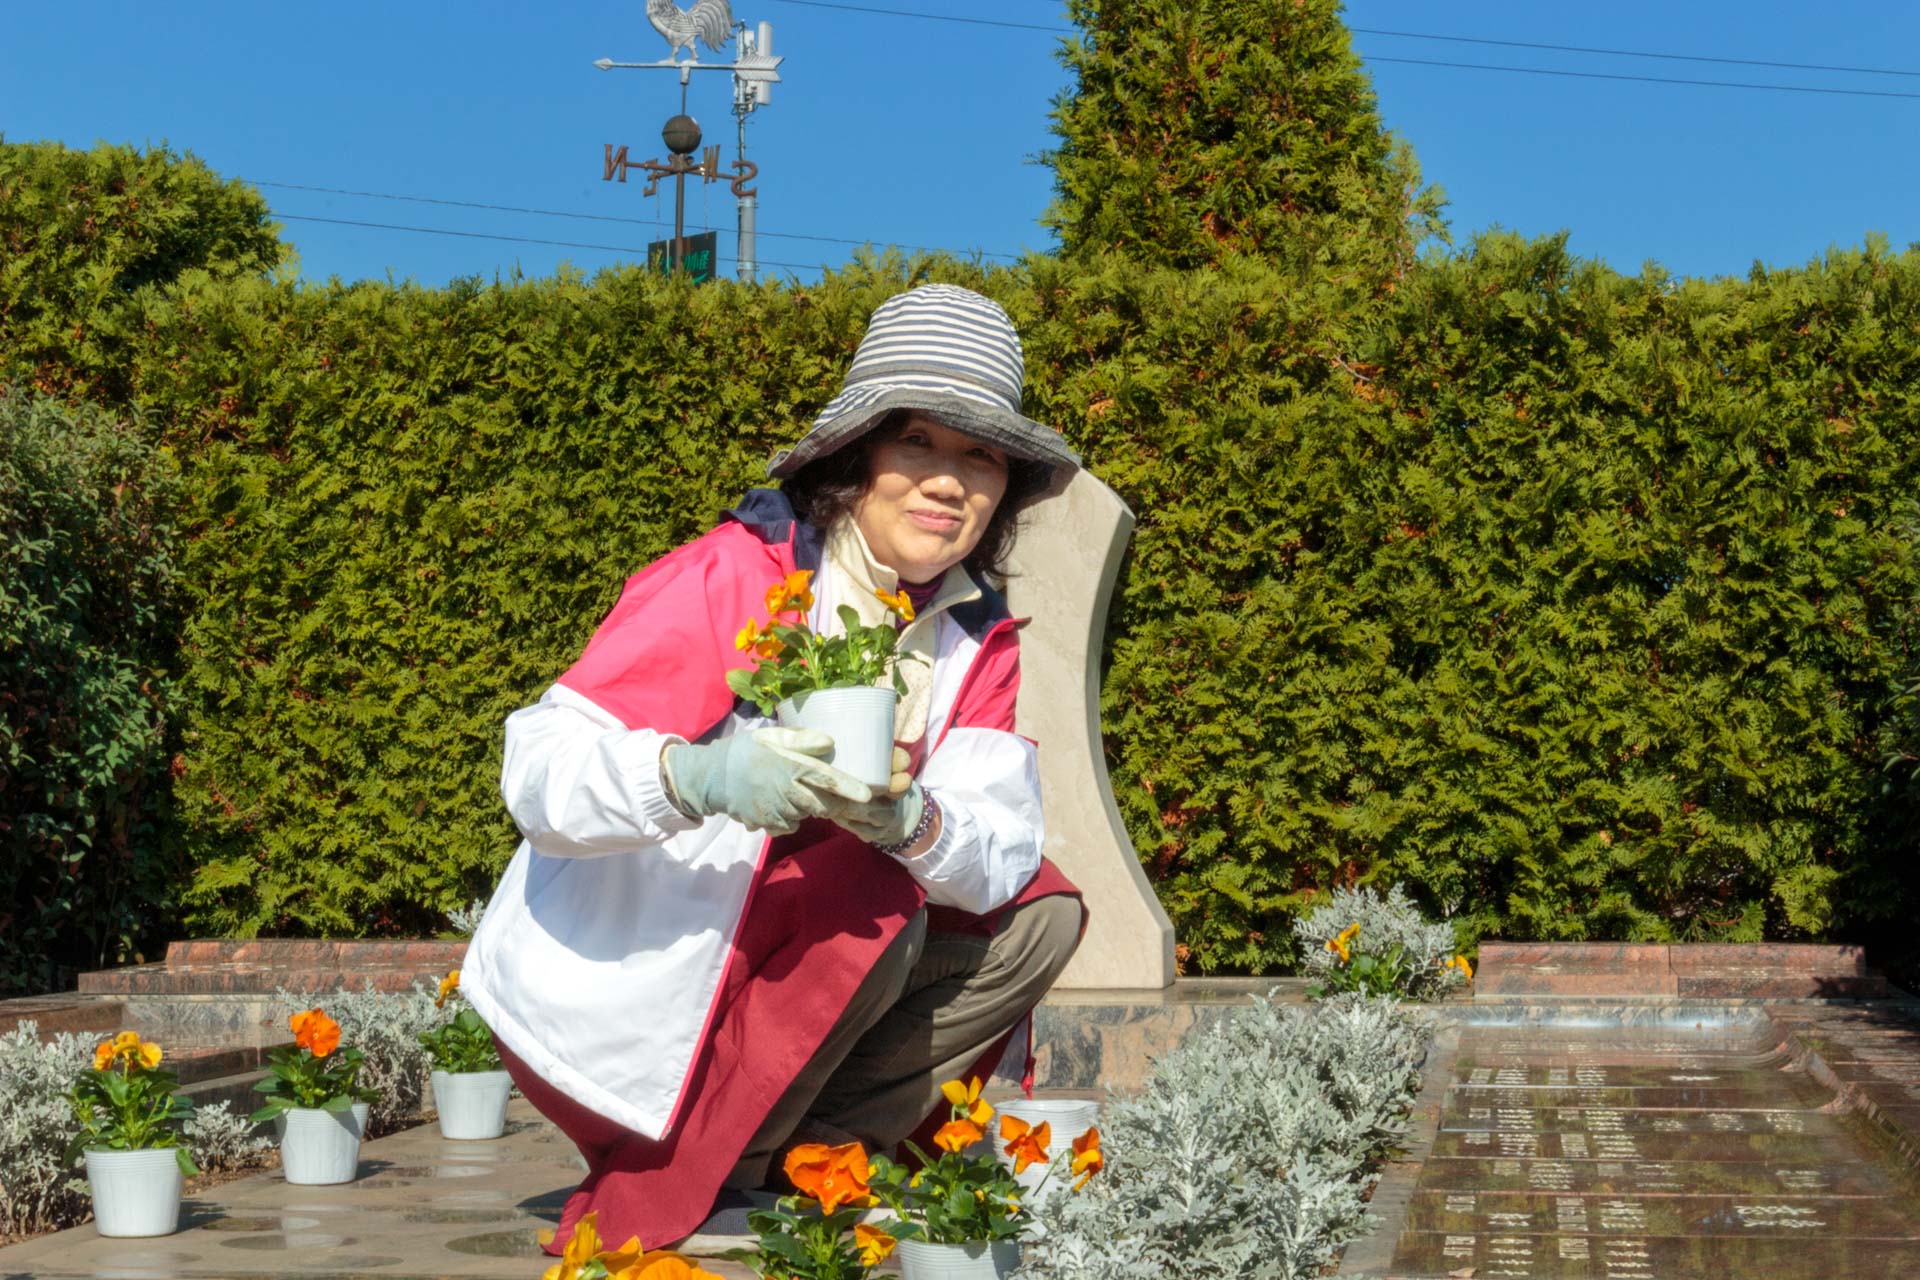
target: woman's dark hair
831 487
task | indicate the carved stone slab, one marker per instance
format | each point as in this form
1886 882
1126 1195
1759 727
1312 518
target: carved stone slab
1065 563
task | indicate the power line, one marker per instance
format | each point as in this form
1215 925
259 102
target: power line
928 17
1428 35
1633 53
486 235
602 217
1603 75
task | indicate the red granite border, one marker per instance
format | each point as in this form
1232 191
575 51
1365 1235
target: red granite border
1726 971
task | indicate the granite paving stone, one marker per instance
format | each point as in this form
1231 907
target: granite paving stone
1888 1217
1770 1252
421 1206
1462 1114
1648 1177
1664 1152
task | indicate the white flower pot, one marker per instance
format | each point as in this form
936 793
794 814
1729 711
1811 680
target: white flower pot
318 1148
135 1193
860 722
1069 1118
472 1104
976 1261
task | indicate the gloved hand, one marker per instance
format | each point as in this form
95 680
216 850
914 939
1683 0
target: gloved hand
770 779
886 818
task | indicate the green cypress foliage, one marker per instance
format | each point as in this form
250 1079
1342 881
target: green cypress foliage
88 633
1195 129
1583 605
83 231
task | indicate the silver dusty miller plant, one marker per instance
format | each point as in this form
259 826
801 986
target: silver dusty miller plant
464 922
38 1190
220 1140
386 1027
1247 1154
1385 923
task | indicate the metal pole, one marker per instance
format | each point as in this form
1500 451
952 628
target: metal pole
748 205
743 250
679 212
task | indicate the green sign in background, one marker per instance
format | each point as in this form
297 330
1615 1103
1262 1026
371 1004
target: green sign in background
697 255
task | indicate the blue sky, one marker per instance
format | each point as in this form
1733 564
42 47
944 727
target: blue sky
926 133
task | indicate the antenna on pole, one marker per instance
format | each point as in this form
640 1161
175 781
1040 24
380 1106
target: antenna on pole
749 95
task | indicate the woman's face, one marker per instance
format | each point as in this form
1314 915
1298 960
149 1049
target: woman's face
930 492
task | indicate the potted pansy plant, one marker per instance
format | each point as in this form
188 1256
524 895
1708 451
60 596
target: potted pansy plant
821 1233
130 1135
316 1101
470 1087
845 686
963 1213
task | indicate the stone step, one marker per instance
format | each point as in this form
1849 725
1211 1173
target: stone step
253 979
429 955
1695 971
51 1015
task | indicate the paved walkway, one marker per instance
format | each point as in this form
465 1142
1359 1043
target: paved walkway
422 1207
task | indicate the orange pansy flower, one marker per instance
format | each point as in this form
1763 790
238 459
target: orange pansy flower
147 1055
795 591
748 636
1087 1159
103 1056
769 647
1026 1143
448 985
958 1135
832 1175
660 1265
900 602
315 1032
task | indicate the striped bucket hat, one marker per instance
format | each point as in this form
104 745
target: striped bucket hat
947 352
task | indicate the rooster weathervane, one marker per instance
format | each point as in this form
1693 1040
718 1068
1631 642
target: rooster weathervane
710 21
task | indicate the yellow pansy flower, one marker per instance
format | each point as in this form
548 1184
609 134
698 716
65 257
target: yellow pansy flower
873 1243
966 1100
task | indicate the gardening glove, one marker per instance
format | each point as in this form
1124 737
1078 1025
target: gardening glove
769 780
887 818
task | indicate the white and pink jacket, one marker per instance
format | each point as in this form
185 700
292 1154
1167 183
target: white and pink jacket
604 954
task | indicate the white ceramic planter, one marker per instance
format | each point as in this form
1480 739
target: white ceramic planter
318 1148
472 1104
135 1193
977 1261
1069 1118
860 722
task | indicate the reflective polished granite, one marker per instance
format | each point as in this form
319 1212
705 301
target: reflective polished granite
1700 1143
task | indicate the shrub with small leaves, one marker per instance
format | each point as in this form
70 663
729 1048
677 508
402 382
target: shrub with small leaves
464 922
38 1189
221 1141
1359 940
1248 1153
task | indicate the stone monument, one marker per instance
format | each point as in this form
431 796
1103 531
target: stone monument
1062 573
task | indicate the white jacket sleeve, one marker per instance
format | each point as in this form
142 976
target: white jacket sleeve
987 784
580 784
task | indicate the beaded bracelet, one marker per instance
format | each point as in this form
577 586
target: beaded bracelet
928 812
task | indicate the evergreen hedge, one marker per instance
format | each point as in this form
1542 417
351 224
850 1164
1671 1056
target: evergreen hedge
1581 604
